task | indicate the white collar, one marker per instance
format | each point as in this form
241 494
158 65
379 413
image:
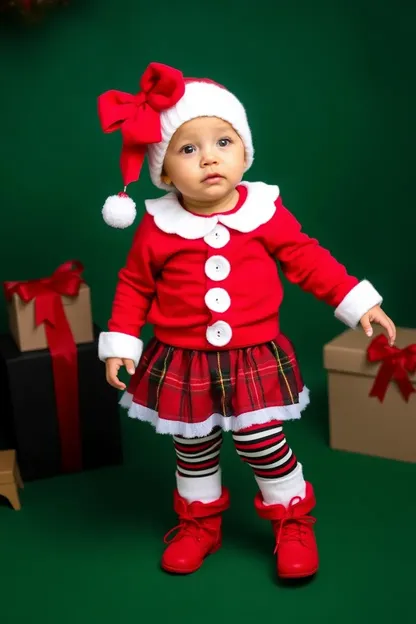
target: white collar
257 209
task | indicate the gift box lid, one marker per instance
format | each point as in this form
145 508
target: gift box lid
347 353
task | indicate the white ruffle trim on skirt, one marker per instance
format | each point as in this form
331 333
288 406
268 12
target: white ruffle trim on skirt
227 423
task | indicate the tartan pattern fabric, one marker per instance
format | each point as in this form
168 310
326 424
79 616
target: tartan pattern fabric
191 385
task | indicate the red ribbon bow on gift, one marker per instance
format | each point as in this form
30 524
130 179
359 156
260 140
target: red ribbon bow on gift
396 365
47 293
138 116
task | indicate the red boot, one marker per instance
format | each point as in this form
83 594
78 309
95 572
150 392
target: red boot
199 533
296 548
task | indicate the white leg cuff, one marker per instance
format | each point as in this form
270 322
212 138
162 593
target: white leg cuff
281 491
202 489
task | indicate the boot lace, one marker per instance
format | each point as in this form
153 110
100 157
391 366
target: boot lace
293 529
188 525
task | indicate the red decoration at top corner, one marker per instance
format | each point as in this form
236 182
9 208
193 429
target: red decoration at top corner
29 7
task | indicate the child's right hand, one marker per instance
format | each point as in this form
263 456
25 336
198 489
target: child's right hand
112 366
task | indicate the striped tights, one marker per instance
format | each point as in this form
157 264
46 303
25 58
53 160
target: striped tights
262 447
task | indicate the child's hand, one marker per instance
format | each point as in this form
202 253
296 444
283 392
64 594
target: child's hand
376 315
112 366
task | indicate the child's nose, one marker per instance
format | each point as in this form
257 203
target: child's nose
209 159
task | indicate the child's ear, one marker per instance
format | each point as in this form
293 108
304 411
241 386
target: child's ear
165 179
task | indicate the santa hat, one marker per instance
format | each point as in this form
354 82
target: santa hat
149 119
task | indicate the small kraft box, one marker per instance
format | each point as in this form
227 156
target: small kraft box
372 393
32 307
60 417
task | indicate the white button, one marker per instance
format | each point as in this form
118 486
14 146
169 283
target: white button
217 268
219 334
218 238
217 299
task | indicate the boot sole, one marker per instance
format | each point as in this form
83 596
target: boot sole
298 576
176 571
173 570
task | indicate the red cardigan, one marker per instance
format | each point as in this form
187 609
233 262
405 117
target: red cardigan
212 282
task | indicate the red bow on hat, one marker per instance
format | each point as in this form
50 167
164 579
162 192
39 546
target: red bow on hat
138 116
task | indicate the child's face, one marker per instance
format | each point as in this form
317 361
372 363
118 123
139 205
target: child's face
199 149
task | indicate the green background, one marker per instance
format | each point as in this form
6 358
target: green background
330 93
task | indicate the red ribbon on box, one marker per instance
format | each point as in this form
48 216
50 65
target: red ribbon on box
47 293
396 366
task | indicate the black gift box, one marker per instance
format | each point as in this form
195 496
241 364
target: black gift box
28 415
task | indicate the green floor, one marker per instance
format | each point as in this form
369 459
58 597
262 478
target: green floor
86 548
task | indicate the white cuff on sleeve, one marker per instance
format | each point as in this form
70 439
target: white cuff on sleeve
116 344
358 301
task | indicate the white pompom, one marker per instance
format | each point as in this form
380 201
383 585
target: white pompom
119 211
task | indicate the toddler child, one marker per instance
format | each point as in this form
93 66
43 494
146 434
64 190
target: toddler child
202 269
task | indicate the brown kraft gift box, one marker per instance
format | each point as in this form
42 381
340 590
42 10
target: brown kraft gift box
29 336
383 425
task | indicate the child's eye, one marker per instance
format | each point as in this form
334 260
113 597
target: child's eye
187 149
224 142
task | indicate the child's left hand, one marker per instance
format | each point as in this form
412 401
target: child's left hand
376 315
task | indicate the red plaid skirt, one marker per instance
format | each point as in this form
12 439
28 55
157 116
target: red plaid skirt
189 392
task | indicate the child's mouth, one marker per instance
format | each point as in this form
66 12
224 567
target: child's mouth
213 178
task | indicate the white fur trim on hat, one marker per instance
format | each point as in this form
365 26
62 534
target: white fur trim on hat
201 99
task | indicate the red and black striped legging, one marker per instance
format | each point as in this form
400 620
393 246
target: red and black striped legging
263 447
